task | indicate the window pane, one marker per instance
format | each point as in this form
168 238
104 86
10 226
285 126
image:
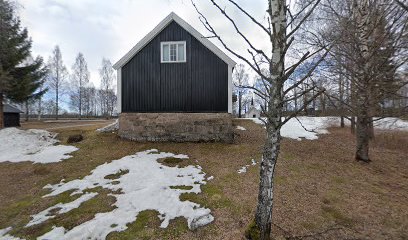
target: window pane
165 53
173 52
180 52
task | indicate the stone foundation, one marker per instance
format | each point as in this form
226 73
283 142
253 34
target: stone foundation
176 127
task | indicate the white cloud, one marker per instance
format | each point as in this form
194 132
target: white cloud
110 28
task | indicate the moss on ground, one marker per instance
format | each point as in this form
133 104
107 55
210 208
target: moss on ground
252 231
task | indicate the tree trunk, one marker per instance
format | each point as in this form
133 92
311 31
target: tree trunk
363 100
39 109
363 139
341 95
353 125
295 95
263 217
26 111
1 111
265 196
305 105
239 103
323 104
371 128
56 104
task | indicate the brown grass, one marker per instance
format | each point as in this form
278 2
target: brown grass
320 191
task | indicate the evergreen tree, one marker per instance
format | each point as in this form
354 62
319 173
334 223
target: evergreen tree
20 76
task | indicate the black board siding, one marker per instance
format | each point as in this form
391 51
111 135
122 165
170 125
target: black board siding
11 119
198 85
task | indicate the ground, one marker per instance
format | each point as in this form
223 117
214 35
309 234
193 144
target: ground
320 193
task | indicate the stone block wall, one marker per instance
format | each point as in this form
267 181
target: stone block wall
176 127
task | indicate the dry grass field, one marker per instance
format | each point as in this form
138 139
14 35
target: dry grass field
320 193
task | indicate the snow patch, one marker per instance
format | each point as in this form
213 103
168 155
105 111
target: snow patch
241 128
305 127
110 128
5 236
391 124
146 185
33 145
244 168
311 127
210 178
55 232
61 208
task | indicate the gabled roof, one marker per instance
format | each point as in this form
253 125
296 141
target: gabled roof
7 108
164 23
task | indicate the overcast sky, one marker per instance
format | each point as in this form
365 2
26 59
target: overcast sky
110 28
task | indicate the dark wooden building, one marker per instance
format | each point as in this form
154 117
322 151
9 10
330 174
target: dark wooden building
11 116
174 69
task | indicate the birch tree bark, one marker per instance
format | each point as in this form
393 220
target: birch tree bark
363 118
271 149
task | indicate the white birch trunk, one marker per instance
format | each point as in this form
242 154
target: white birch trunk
270 155
362 100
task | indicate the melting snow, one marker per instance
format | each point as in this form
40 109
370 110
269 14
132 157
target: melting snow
61 208
313 126
110 128
306 127
5 236
244 168
391 124
146 186
241 128
31 145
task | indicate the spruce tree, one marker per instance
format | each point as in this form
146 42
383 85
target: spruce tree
20 75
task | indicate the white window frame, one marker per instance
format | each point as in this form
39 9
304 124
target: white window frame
170 43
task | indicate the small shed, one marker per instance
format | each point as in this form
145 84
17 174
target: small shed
11 116
253 112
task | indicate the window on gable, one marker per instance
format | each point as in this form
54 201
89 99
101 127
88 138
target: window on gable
173 52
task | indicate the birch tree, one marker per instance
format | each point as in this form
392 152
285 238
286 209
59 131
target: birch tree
369 52
107 76
280 32
79 81
57 76
240 82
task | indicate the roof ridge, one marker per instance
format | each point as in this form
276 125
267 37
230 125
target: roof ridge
159 27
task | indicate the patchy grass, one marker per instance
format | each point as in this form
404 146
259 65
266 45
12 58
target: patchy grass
320 191
117 175
182 187
175 162
147 226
